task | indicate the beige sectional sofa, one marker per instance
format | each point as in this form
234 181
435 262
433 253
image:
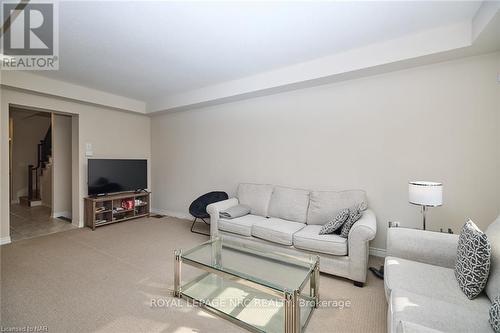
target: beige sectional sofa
421 289
288 220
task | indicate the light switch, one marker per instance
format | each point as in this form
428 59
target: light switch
88 149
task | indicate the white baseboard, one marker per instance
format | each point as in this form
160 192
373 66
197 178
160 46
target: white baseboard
374 251
179 215
5 240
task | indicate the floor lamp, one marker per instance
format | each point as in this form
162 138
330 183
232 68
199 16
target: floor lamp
425 194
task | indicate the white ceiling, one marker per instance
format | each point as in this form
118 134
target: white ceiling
146 50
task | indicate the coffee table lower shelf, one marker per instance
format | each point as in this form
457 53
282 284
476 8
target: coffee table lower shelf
244 300
250 308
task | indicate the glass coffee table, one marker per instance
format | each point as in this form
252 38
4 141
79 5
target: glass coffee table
262 291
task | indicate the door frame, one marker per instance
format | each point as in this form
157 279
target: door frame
75 163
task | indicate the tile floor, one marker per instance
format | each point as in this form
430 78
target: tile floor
29 222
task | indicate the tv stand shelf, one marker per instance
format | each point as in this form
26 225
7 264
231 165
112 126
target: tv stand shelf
107 209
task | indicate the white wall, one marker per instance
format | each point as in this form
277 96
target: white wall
113 134
61 165
46 186
439 122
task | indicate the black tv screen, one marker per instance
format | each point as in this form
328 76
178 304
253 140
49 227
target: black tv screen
112 175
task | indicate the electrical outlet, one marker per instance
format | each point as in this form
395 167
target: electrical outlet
394 224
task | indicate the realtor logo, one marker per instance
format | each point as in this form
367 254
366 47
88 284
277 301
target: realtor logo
29 36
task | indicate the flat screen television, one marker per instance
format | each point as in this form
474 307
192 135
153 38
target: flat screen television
106 176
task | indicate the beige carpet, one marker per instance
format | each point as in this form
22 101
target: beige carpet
106 280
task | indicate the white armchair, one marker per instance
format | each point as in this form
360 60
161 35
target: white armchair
427 247
422 292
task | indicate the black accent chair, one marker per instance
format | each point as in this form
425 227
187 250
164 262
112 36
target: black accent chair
198 208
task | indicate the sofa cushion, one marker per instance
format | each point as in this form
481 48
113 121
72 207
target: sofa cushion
256 196
493 285
240 225
324 205
422 279
473 260
289 204
309 239
276 230
409 327
438 314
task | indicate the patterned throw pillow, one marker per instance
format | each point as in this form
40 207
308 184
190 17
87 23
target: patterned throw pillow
495 314
355 213
336 223
473 260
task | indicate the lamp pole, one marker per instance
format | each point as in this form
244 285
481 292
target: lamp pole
424 211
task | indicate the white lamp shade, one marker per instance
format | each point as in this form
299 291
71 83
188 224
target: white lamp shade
425 193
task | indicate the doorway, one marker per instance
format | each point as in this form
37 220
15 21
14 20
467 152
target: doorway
40 172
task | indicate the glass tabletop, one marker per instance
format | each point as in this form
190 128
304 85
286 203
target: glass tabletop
277 270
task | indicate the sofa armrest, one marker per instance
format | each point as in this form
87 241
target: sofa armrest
435 248
360 235
214 209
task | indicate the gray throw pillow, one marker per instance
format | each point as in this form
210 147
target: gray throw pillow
336 223
355 213
495 315
473 260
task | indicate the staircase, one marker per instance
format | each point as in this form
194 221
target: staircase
44 161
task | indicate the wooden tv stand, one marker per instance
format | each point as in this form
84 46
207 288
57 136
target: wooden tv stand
106 209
